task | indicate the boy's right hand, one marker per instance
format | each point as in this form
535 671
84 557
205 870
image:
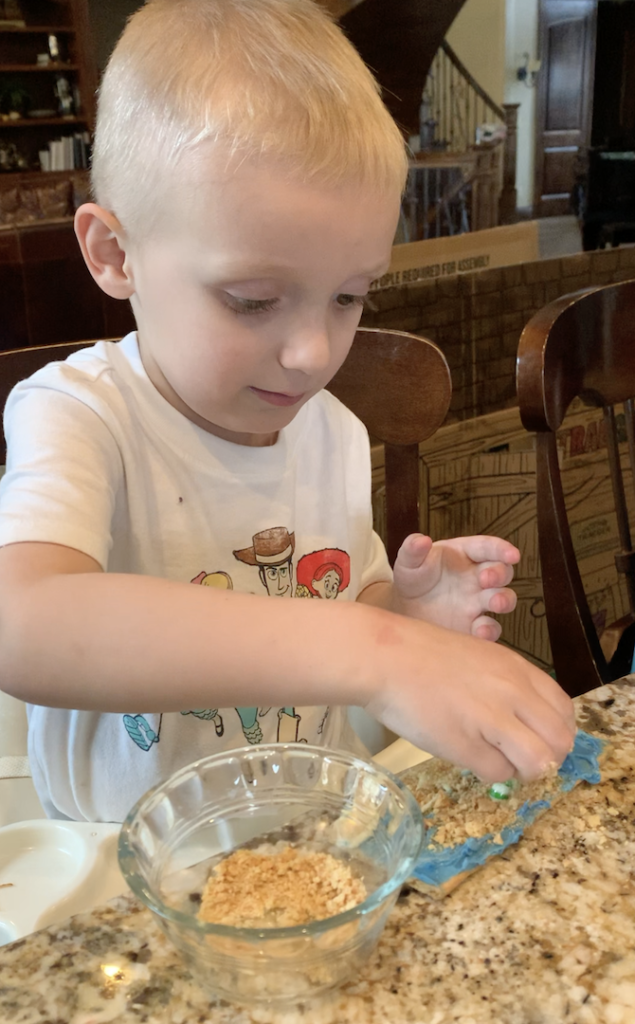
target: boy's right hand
477 704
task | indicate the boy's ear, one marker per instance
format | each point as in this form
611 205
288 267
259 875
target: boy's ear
103 244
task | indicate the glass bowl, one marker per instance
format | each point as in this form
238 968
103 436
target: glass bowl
309 797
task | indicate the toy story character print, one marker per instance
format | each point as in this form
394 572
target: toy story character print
248 720
217 580
141 731
209 715
271 552
323 574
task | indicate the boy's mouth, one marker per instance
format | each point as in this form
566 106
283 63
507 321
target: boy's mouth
276 397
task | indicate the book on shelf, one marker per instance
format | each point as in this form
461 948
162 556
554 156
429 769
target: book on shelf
69 153
56 147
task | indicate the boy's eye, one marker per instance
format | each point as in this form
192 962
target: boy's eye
346 301
248 306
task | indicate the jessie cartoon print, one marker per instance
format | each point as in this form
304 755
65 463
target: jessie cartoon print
323 574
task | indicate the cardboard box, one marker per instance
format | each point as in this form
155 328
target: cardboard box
479 477
461 254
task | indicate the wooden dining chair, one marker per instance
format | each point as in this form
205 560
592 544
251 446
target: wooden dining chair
398 385
580 345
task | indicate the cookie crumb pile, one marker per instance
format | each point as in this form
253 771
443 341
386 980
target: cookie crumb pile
461 807
278 887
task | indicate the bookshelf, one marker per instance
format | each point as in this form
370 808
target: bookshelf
47 105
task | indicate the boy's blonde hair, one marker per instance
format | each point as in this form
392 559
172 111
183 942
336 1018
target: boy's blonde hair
262 77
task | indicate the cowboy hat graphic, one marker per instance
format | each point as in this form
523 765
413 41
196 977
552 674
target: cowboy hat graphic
269 547
271 552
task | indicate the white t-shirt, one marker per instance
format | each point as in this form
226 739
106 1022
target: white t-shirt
99 461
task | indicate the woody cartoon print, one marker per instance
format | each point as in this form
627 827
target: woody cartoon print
322 574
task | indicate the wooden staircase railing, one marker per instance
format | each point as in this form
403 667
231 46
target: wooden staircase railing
457 106
455 109
398 39
401 41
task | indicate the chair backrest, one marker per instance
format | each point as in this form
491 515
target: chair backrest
397 384
580 345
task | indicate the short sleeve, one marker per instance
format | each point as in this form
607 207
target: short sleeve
376 567
354 443
62 475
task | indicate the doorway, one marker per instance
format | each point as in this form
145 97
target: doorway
566 47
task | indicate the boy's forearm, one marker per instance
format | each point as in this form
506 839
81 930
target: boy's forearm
123 643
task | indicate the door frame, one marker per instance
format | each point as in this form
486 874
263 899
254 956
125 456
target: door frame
541 93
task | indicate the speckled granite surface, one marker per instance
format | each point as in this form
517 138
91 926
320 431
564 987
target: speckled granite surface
543 935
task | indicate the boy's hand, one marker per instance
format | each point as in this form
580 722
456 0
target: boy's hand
453 583
480 705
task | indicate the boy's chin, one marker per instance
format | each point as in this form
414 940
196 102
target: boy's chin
255 431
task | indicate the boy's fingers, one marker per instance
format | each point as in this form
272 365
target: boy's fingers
494 575
486 629
557 698
491 765
488 549
532 753
414 551
553 731
500 602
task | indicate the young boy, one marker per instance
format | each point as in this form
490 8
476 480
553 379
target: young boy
247 181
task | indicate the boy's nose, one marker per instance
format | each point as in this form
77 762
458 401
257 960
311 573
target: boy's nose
307 349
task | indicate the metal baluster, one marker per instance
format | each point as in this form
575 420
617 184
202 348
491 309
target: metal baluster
467 110
451 117
439 110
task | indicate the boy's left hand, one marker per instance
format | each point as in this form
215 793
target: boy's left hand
453 583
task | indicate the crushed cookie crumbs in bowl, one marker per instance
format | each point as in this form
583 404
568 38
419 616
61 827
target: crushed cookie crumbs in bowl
273 868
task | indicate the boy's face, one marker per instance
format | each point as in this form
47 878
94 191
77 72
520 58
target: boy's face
248 300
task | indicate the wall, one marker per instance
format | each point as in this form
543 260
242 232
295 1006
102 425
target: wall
521 36
490 37
478 37
477 318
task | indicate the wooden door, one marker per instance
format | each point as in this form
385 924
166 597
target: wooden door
565 99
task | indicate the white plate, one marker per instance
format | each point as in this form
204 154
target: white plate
50 870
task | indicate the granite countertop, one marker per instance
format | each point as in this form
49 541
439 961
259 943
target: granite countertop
544 934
